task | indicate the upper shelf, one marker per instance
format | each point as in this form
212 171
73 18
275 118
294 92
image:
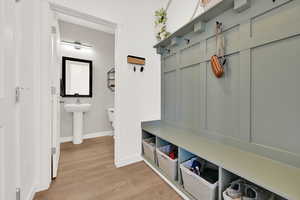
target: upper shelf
277 177
212 10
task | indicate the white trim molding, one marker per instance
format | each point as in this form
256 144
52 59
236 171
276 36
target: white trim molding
31 194
40 189
79 18
88 136
128 161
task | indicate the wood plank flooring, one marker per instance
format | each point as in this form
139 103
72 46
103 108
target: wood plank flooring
87 172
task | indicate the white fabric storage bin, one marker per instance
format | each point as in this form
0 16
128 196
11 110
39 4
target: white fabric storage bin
149 148
196 185
165 163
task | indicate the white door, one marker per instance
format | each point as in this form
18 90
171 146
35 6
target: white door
8 133
55 72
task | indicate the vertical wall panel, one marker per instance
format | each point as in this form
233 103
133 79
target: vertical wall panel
202 124
276 95
170 96
281 22
211 46
193 54
245 96
222 99
232 41
170 63
190 97
1 57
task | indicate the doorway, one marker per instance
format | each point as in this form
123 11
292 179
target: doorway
79 46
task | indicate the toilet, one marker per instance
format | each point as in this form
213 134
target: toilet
110 113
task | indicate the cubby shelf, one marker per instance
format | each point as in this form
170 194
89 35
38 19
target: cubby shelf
174 183
274 176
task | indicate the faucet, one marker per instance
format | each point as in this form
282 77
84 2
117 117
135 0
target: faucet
78 101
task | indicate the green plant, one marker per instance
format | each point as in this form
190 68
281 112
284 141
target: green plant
160 24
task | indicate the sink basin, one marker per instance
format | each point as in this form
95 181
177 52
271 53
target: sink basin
77 107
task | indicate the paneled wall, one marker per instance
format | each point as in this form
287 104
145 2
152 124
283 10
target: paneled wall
255 105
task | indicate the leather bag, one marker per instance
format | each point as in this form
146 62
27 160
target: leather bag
216 66
216 63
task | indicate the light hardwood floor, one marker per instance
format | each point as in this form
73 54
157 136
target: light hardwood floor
87 172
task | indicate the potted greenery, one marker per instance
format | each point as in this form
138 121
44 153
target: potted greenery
161 24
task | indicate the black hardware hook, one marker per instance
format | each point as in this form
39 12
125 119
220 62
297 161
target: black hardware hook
187 40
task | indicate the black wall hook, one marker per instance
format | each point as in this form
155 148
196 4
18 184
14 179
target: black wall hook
187 40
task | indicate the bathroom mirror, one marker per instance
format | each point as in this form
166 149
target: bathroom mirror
76 77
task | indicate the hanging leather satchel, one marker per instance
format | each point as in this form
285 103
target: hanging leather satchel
216 64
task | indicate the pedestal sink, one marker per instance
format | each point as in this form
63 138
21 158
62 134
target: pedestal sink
77 109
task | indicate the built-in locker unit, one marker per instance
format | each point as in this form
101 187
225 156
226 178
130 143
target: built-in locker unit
246 124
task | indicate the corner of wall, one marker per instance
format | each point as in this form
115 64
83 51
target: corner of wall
128 161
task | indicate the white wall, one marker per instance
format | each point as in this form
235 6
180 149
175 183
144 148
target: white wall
102 55
180 13
137 94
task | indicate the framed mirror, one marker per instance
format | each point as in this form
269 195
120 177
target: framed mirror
77 75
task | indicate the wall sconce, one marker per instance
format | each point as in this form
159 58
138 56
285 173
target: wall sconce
77 45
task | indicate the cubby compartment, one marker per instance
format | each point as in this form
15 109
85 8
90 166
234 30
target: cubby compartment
199 177
279 180
167 158
149 146
233 187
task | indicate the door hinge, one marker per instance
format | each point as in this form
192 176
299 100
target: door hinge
53 150
17 94
18 91
18 193
53 90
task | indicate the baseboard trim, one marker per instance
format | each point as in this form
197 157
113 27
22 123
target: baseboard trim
167 181
31 194
128 161
87 136
42 188
35 190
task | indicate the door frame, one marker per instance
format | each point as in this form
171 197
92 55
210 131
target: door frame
55 94
48 10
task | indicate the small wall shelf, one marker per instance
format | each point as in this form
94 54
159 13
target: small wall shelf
111 79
